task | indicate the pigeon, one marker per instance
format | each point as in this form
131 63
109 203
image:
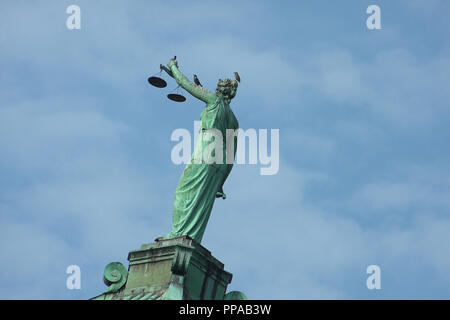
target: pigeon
236 76
196 81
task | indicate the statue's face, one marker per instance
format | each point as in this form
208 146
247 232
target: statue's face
227 87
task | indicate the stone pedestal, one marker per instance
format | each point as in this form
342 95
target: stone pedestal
172 269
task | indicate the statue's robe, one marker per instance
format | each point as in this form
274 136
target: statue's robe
202 181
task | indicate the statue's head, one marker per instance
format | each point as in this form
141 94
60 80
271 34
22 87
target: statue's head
227 88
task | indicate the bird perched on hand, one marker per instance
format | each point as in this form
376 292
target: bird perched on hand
175 60
236 76
196 81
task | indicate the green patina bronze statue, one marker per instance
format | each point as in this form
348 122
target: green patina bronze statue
177 266
202 181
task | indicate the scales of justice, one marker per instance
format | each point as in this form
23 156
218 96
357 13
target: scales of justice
159 82
176 266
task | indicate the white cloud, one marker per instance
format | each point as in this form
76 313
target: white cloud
47 133
338 76
396 87
407 189
309 144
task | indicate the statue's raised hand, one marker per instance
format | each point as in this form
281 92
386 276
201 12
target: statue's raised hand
173 62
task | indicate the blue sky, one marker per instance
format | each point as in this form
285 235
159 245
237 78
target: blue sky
85 169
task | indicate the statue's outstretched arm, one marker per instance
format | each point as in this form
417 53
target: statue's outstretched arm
198 92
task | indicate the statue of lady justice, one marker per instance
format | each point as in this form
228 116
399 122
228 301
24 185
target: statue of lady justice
202 181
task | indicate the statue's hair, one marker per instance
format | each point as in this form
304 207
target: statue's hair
227 88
